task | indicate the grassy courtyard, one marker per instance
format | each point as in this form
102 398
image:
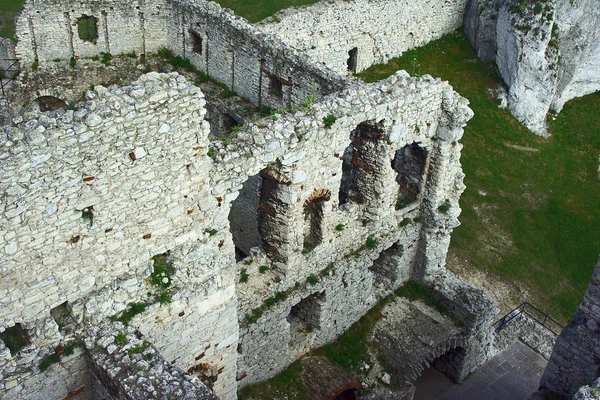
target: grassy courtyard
531 210
8 10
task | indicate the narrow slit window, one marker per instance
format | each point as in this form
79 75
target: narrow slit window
352 59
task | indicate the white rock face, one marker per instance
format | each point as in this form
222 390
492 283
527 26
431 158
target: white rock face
547 52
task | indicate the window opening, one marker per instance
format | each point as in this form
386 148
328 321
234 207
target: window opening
87 28
313 219
276 88
409 164
352 59
244 217
15 338
305 316
196 42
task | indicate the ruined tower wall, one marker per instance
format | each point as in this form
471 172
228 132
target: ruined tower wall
575 360
379 29
137 155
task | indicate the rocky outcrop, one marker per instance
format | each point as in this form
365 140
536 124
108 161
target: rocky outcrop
547 52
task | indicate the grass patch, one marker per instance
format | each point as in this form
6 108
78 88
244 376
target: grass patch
287 385
244 276
539 221
8 11
257 10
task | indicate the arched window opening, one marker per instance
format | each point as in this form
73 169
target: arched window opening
87 28
409 163
313 219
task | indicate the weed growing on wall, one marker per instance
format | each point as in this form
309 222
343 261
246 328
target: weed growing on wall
329 120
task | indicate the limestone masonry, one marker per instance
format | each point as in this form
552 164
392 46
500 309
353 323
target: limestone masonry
160 240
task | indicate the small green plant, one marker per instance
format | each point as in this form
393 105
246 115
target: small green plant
418 220
244 276
131 311
372 242
165 297
106 58
227 93
403 201
131 55
212 152
47 361
162 271
444 207
340 227
72 62
312 280
329 120
405 222
308 102
148 357
57 60
262 269
34 66
211 232
121 339
308 246
138 349
365 221
95 58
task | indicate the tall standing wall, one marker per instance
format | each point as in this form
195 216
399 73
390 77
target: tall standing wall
378 29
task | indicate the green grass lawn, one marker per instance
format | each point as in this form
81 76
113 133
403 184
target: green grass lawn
8 10
531 210
257 10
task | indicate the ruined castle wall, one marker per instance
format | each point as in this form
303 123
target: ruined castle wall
305 159
575 360
246 60
49 30
378 29
137 155
22 379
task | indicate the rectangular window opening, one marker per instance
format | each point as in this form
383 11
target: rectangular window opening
196 42
352 59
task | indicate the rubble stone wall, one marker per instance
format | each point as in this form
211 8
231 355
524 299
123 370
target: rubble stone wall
378 29
135 159
48 30
575 360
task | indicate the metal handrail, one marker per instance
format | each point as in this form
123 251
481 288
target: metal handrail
5 73
522 310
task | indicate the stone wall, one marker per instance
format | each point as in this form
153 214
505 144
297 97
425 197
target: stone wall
378 29
91 195
124 366
305 165
541 51
575 360
226 47
49 30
